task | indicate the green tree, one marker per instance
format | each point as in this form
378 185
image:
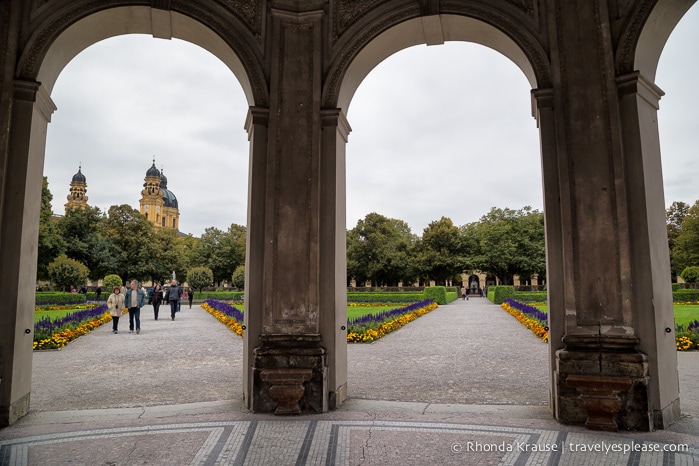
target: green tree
200 277
66 272
509 242
131 233
440 252
221 251
112 280
685 252
87 241
165 253
675 215
238 278
378 249
51 243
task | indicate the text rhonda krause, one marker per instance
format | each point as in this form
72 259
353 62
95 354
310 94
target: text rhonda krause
601 447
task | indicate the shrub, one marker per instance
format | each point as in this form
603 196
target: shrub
220 295
690 274
110 281
438 294
501 293
452 296
676 287
531 296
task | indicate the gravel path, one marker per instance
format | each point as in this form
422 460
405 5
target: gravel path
467 352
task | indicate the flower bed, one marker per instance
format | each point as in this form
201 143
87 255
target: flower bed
529 316
226 313
687 340
371 327
55 334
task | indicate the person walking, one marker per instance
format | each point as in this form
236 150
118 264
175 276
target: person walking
173 296
190 296
463 293
98 293
135 299
115 304
157 300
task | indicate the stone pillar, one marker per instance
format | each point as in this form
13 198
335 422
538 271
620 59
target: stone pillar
654 319
21 196
285 337
603 238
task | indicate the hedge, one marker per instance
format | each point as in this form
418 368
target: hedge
452 296
388 297
500 293
220 295
438 294
43 298
685 296
531 296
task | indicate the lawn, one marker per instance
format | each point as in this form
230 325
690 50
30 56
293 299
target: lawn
684 313
358 311
53 315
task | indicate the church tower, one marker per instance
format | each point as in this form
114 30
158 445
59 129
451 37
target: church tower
78 187
159 204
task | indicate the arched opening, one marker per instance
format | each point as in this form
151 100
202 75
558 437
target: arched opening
423 128
76 38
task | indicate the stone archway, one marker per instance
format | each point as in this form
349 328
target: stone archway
611 324
59 38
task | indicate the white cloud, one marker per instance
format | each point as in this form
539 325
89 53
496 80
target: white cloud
437 131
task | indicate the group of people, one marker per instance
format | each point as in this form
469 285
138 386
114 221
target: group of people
135 298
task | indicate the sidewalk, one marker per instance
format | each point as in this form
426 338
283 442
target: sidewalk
425 394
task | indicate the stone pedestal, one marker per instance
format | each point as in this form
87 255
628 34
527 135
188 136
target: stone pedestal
603 382
290 375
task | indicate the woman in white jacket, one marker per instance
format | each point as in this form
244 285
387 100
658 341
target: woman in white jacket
115 304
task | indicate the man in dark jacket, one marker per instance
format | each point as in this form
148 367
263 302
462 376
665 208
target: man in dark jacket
174 294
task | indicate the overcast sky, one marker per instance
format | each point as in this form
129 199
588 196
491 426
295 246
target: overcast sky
436 131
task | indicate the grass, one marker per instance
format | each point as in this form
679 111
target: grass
684 313
38 315
358 311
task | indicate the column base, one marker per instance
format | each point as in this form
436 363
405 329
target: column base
12 413
603 382
289 375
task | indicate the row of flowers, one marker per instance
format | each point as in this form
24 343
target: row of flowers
529 316
63 307
57 333
362 329
371 327
227 313
687 339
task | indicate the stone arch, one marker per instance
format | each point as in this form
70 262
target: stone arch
646 34
397 31
66 33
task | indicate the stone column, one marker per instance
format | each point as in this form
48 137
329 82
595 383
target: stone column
285 338
607 234
21 186
653 313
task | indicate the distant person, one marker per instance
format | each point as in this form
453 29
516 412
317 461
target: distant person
98 293
157 300
115 304
173 296
135 299
463 293
190 296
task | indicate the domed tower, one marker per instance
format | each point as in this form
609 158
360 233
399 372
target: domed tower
151 203
78 187
171 211
159 204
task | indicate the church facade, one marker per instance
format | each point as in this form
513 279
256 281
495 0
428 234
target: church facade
158 204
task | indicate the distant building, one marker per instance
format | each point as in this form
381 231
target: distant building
158 204
78 187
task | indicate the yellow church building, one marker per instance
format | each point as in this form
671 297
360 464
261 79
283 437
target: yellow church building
158 204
